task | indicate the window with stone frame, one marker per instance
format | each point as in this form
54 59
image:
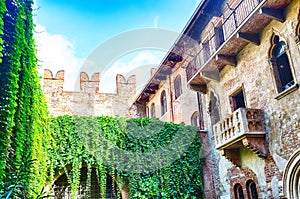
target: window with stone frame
237 99
177 86
195 119
152 110
163 102
238 191
281 64
251 189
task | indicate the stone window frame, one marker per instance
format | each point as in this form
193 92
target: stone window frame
232 97
152 110
281 93
291 177
163 102
195 119
251 194
177 86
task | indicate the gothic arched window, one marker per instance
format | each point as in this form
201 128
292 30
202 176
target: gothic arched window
251 190
238 191
281 65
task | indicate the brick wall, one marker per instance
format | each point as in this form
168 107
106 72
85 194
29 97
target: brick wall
88 101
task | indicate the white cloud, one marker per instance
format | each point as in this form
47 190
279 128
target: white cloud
155 21
55 52
138 63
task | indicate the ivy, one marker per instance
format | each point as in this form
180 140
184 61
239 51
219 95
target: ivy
23 111
2 11
100 142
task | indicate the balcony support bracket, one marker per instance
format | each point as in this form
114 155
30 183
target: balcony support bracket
198 88
226 59
257 145
232 155
211 75
277 14
249 37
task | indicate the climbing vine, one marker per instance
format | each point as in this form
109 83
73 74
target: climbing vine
116 146
23 110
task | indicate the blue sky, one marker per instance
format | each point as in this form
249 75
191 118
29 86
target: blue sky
69 30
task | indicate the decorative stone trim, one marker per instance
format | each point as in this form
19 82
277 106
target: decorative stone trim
297 40
287 91
290 176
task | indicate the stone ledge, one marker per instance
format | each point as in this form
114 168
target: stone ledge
287 91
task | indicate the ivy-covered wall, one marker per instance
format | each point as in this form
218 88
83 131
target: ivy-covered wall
147 158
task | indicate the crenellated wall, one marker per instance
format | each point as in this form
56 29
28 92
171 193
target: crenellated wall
88 101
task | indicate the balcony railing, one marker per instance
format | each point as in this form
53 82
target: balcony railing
240 123
222 34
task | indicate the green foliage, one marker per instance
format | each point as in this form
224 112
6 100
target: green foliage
2 11
23 111
100 141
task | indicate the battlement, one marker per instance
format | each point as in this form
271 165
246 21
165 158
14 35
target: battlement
88 100
86 83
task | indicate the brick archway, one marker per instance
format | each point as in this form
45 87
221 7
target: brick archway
241 176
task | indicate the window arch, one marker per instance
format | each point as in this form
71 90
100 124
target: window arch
214 108
195 119
291 177
152 110
238 191
251 189
163 102
177 86
281 64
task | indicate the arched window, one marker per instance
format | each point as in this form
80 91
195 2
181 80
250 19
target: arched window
195 119
251 190
177 86
163 102
281 65
238 191
152 110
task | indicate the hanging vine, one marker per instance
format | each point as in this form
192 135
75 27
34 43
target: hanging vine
23 110
97 140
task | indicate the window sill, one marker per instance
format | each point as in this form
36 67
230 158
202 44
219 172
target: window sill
287 91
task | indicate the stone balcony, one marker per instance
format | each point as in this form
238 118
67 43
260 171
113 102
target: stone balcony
243 128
